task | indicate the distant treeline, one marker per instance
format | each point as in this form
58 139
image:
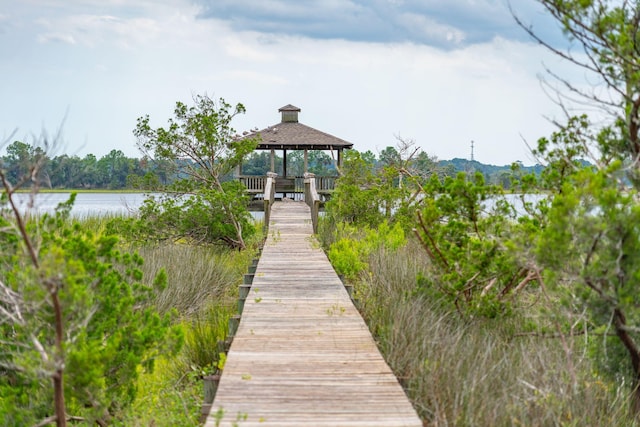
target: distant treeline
117 171
498 175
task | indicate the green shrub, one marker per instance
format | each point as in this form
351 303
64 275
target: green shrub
349 254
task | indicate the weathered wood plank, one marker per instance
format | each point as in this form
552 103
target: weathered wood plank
302 355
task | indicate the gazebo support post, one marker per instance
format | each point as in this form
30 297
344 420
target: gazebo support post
273 160
284 163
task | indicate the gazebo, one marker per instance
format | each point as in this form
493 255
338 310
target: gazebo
291 135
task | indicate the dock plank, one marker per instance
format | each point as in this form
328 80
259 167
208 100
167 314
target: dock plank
302 354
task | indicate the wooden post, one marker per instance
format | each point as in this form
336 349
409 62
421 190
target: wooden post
210 385
284 164
234 322
243 291
306 160
311 198
268 198
273 161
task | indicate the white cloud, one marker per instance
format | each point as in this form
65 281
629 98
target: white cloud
135 57
56 38
423 27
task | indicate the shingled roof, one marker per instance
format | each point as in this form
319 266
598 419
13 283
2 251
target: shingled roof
289 134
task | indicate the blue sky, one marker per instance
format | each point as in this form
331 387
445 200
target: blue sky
440 72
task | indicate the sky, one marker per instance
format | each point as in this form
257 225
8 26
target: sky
441 73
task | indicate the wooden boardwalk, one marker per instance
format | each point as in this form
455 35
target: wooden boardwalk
302 355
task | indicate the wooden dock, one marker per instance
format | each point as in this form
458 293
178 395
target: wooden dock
302 355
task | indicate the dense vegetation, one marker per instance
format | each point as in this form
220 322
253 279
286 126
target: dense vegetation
533 304
100 329
492 308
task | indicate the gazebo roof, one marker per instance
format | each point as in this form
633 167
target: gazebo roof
289 134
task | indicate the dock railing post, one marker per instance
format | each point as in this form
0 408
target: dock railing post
269 196
312 198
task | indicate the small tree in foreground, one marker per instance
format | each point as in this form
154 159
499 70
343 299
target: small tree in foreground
76 324
200 142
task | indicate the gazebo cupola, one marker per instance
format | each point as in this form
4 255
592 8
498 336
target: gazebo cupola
289 113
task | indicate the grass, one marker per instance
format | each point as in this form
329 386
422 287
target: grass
197 276
202 288
164 398
478 372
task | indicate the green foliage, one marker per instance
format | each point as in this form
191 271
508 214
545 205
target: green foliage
201 133
166 397
198 218
591 240
199 140
355 199
202 287
110 327
201 352
473 265
113 170
349 254
461 372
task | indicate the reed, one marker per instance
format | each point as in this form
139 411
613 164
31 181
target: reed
197 276
478 372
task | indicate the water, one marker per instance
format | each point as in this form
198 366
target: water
91 204
87 204
101 204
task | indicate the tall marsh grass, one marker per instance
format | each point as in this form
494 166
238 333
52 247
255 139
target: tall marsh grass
198 277
479 372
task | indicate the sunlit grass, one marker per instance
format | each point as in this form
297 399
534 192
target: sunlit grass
165 398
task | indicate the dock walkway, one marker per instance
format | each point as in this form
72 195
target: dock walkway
302 354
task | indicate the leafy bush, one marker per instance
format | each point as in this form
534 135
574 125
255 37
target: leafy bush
200 217
474 265
349 254
73 307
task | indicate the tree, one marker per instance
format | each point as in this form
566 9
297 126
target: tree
258 163
591 226
369 192
467 238
356 196
23 160
608 36
199 140
72 313
114 169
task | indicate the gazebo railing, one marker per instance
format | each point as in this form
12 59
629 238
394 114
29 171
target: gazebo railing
289 185
253 184
325 183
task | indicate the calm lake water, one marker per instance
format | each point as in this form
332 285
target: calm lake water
86 203
91 204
